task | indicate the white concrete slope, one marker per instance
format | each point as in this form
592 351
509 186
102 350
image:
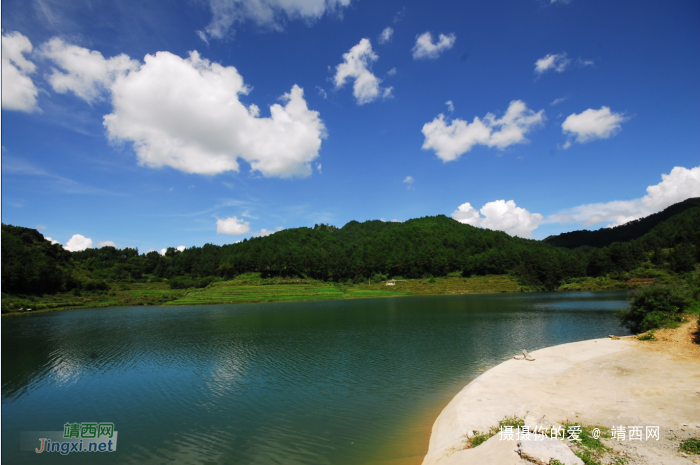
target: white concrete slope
598 382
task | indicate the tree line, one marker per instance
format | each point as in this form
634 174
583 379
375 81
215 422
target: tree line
357 252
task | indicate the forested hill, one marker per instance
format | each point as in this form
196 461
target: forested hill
357 252
623 233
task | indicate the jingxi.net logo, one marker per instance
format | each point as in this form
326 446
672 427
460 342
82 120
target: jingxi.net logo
75 437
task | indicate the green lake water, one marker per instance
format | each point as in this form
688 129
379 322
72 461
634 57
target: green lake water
334 382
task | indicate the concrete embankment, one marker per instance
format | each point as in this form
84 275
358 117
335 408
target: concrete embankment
608 382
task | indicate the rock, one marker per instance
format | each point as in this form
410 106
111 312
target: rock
544 426
542 450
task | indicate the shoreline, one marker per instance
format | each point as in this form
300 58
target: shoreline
606 382
310 299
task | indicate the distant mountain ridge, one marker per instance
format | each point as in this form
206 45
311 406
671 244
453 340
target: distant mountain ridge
372 251
624 233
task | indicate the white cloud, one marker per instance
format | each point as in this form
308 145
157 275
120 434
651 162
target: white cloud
557 101
500 216
186 114
51 240
409 180
266 13
322 92
162 251
391 72
385 36
202 36
680 184
425 48
18 90
267 232
106 244
450 106
181 248
40 226
451 141
86 72
318 167
355 65
232 226
592 124
78 243
558 62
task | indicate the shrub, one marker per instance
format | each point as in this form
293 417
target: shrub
691 445
655 306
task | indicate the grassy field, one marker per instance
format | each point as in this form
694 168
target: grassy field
250 288
122 294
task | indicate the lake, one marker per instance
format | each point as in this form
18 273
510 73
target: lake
327 382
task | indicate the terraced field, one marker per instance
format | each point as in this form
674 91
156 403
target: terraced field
250 287
231 293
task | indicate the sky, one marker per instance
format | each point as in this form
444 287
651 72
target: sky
179 123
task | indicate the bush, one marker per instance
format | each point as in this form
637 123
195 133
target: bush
655 306
181 282
691 445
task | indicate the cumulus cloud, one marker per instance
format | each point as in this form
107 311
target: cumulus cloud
450 106
267 232
449 141
501 216
51 240
409 180
425 48
557 62
386 35
266 13
186 114
106 244
180 248
18 90
232 226
355 65
85 72
162 251
78 242
680 184
591 125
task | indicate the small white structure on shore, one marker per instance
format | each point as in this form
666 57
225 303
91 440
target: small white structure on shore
390 283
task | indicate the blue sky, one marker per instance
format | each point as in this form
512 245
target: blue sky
158 124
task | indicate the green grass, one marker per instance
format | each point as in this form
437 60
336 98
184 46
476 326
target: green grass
229 292
589 449
691 446
648 336
122 294
251 288
481 437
